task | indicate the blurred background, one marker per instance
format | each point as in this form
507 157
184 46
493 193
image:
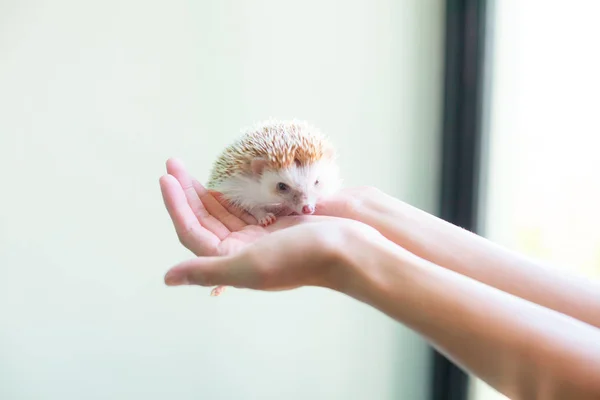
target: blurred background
482 112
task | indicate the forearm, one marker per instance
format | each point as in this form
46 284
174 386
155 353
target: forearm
523 350
468 254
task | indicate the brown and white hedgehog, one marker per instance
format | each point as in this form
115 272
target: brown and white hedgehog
277 168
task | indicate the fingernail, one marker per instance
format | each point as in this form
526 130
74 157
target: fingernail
176 278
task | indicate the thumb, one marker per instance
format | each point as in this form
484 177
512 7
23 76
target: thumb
328 207
211 271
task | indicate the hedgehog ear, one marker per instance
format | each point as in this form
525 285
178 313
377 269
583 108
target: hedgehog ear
258 164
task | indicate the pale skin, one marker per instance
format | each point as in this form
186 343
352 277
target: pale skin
529 331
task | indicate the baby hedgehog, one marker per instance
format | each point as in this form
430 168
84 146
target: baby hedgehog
277 168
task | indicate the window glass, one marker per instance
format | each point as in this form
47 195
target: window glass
541 186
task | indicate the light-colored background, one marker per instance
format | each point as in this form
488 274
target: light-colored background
542 189
94 96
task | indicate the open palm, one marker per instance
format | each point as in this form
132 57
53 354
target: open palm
204 222
232 248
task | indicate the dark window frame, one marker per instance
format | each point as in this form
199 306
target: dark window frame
466 45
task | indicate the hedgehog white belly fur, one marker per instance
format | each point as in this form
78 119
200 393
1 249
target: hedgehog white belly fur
277 168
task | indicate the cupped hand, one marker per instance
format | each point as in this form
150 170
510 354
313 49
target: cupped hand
208 226
203 225
234 251
312 254
204 222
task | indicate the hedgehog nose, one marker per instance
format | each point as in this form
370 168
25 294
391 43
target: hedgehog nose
308 209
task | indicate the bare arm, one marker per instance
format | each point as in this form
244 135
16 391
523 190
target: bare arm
468 254
520 348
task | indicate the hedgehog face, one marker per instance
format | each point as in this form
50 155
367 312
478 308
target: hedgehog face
298 187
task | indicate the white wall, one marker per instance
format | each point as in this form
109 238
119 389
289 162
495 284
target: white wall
95 96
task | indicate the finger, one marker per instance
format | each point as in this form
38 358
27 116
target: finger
241 214
191 233
213 271
176 168
216 209
335 207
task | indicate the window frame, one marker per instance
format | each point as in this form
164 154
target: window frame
463 142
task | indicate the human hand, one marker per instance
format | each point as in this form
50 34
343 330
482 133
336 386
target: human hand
311 254
351 202
204 222
209 227
203 225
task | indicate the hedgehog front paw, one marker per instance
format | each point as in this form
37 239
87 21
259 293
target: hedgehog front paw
267 220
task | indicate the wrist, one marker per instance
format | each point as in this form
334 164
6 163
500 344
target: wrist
363 260
362 202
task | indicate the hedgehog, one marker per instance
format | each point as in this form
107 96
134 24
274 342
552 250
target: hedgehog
277 168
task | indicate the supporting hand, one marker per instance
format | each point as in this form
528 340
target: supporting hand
222 235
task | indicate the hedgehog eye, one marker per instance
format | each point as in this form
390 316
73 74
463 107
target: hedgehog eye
316 182
282 187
